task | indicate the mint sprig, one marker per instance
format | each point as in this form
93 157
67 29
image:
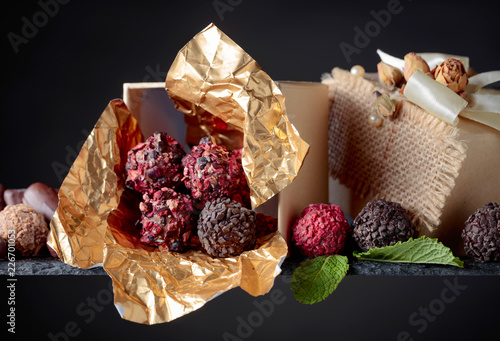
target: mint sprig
315 279
421 250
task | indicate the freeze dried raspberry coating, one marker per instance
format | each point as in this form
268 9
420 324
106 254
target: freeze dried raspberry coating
155 163
167 220
481 234
322 229
265 224
29 228
240 190
206 171
226 228
381 223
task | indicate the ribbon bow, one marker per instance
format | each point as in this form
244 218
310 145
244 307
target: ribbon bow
481 105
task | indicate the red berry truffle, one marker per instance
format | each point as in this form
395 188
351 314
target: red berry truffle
265 224
155 163
167 220
208 172
240 189
322 229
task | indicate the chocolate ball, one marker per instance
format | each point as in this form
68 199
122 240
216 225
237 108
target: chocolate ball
27 226
206 171
155 163
3 249
265 225
226 228
211 171
2 201
481 234
167 220
42 198
13 196
322 229
381 223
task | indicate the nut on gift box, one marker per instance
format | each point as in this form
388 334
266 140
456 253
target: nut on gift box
215 89
424 131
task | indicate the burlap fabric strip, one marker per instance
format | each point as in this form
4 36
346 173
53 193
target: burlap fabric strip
413 158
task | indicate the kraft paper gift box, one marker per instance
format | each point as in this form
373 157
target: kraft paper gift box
307 109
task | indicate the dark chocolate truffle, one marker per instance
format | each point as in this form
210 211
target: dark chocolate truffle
155 163
481 234
2 201
226 228
167 220
381 223
3 248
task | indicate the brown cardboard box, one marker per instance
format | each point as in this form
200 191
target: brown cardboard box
307 106
307 109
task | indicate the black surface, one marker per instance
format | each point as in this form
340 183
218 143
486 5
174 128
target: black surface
48 266
58 83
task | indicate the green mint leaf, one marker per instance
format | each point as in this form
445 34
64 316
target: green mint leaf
315 279
421 250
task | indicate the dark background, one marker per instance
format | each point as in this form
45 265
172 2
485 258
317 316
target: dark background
69 67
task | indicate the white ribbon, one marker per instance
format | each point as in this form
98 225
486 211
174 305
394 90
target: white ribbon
482 105
434 97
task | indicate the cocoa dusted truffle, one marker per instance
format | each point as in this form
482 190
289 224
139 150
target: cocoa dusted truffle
226 228
28 228
481 234
155 163
167 220
322 229
206 171
381 223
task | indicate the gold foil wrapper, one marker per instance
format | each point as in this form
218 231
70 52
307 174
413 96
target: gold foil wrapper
94 223
212 74
93 187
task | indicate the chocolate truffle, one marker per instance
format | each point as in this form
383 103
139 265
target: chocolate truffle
322 229
167 219
265 224
3 249
240 190
481 234
381 223
2 201
206 171
13 196
42 198
29 228
226 228
155 163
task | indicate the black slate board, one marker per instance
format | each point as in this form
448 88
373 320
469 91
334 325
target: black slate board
51 266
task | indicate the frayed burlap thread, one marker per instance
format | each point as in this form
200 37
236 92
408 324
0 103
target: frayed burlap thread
413 158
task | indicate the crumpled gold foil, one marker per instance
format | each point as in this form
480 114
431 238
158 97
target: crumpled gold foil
213 74
95 220
93 187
